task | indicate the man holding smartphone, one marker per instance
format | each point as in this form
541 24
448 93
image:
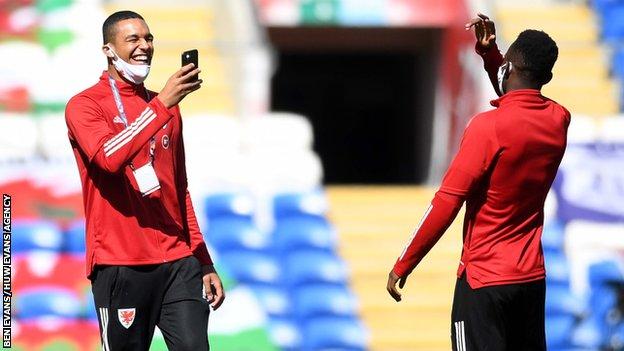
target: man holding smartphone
146 257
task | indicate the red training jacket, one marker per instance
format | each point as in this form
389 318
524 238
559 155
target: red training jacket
506 163
122 226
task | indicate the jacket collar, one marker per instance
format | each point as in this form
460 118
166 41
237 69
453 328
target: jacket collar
124 87
520 95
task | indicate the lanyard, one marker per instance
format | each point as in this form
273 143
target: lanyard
122 115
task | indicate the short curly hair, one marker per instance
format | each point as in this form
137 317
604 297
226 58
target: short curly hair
534 54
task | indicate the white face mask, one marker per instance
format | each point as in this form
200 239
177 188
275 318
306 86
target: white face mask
502 72
134 73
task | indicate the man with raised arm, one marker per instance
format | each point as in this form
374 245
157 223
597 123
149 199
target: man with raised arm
506 163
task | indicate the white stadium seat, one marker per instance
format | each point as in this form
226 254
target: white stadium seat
582 129
19 137
612 130
53 140
285 131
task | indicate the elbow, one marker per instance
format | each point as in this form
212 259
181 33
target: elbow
107 166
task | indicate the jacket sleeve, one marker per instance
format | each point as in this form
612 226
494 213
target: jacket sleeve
492 60
478 149
109 150
196 239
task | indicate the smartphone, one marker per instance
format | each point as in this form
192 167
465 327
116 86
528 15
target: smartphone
191 56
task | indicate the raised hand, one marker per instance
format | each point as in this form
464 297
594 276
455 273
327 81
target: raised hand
485 31
179 85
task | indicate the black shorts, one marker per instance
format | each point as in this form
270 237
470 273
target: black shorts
499 318
131 300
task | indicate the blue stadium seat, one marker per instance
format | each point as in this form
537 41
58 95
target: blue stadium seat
589 334
274 299
613 24
559 330
47 301
312 204
285 334
324 300
252 267
601 273
618 63
560 301
553 236
231 233
304 233
603 305
75 238
36 235
602 7
334 333
89 311
229 205
557 268
308 267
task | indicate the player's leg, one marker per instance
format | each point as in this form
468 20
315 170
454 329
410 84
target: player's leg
184 312
527 331
477 319
125 299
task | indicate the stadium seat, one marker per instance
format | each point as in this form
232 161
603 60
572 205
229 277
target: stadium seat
75 238
278 131
589 334
53 142
304 233
275 300
559 330
601 273
560 301
284 170
209 131
557 268
613 24
334 333
618 63
612 130
88 306
582 130
49 335
47 301
229 205
227 234
285 334
604 306
553 235
311 301
36 235
309 267
49 268
21 143
252 267
310 204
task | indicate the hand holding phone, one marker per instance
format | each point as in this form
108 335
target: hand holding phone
191 56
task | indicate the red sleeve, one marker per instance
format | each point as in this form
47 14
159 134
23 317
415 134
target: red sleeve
110 151
479 147
198 246
492 60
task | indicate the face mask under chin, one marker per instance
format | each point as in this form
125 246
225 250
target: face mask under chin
133 73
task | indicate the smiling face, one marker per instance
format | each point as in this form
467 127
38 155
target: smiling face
132 42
